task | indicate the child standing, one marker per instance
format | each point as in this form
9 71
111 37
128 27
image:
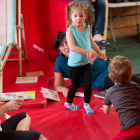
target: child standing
80 41
125 96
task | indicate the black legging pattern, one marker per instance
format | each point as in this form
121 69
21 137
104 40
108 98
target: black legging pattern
85 72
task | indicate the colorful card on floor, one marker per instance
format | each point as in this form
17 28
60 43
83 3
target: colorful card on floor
26 95
101 94
27 79
80 94
36 73
10 96
30 94
50 94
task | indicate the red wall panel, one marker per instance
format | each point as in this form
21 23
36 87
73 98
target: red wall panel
42 20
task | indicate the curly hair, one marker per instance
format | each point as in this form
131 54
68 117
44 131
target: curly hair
120 69
81 6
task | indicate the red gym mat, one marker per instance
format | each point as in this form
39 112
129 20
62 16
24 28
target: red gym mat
55 121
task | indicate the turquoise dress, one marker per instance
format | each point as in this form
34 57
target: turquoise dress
82 40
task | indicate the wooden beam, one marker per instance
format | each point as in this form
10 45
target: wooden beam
1 81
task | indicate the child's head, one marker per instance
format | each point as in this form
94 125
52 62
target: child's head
86 14
120 70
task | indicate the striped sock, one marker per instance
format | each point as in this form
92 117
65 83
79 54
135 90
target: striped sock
71 106
87 108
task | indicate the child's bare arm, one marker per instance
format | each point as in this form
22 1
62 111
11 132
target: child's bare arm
96 48
107 109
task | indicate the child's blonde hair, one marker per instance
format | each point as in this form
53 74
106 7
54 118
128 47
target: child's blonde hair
81 6
120 69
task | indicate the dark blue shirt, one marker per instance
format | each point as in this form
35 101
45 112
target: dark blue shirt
99 71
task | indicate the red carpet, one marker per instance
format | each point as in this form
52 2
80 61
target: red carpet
55 121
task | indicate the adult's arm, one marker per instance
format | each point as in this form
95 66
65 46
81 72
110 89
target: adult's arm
12 105
59 84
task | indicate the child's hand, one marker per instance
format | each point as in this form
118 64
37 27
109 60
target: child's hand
112 106
103 106
102 56
92 56
91 60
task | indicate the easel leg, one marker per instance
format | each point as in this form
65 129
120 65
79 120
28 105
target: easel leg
20 63
23 35
1 82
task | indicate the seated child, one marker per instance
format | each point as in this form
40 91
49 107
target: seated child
125 97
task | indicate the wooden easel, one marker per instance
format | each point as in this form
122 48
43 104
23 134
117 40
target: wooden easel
2 64
18 47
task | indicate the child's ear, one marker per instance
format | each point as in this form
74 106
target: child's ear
110 76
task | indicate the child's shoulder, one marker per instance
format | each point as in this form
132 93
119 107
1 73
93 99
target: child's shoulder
71 26
111 89
68 30
134 85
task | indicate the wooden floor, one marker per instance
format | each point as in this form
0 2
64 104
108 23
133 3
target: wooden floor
129 47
